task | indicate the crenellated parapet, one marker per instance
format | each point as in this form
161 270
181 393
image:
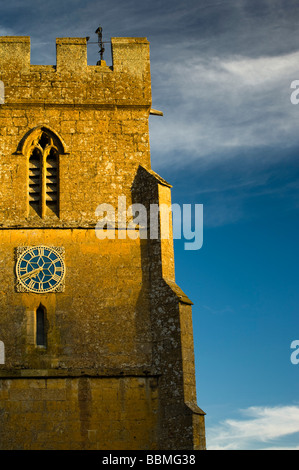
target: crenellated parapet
72 80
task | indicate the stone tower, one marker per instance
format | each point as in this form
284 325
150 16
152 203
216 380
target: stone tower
97 335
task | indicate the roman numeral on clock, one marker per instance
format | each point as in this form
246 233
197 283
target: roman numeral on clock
31 284
41 250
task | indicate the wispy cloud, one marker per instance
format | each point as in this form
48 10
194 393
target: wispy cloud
224 311
258 428
215 107
5 31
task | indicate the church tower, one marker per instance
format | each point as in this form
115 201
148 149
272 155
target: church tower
97 335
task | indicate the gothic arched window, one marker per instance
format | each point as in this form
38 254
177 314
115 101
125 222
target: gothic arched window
43 187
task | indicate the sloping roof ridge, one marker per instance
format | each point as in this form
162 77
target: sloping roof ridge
157 177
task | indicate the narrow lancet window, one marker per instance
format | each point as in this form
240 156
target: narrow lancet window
41 326
52 182
43 184
35 177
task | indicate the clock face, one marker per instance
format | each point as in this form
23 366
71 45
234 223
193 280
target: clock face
40 269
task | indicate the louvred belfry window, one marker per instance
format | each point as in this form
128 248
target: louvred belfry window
43 185
35 174
52 181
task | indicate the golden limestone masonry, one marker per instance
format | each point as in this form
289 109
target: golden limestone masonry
97 335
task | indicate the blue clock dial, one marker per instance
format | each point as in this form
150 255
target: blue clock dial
40 269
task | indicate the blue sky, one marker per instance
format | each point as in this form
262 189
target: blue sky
221 74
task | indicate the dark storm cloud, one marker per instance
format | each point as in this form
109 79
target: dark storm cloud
237 24
204 28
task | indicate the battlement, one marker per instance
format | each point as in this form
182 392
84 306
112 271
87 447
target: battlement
72 80
15 52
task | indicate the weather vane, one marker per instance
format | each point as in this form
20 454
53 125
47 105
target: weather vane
99 32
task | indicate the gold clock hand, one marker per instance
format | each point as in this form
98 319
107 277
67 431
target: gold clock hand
31 273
